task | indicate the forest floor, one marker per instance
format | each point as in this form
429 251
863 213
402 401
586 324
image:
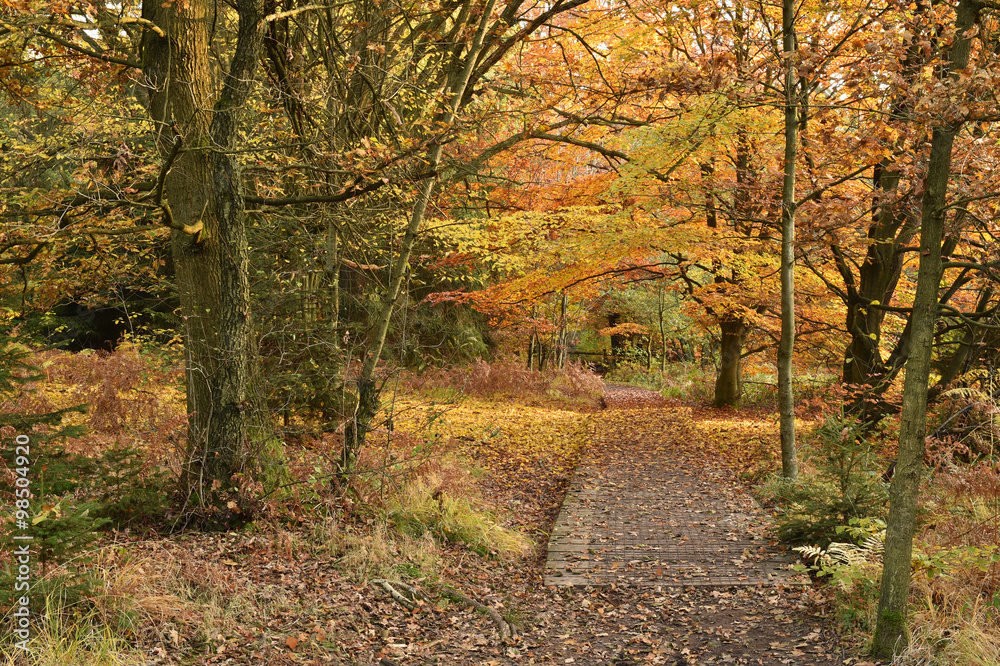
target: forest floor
282 597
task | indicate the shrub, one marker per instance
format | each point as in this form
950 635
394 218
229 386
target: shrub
854 569
635 375
74 495
690 382
845 485
61 529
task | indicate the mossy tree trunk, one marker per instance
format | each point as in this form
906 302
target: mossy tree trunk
891 635
202 196
786 344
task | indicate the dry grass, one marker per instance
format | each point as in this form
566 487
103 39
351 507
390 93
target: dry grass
378 551
130 600
426 506
137 589
950 628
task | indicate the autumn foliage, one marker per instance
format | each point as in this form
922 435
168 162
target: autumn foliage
399 239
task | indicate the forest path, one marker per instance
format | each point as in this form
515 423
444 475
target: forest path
658 555
640 510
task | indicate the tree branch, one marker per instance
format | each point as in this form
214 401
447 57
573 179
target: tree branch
87 52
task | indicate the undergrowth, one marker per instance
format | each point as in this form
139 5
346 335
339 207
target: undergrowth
841 480
573 386
954 613
424 501
424 507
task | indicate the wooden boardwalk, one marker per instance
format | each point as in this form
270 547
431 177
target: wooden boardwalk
636 517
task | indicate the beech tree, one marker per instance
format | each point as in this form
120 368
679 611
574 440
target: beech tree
864 265
891 635
786 346
406 76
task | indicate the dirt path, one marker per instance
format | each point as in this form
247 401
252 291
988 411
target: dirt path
641 515
663 560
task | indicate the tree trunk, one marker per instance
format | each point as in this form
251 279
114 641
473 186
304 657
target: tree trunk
368 394
891 635
707 183
729 382
333 280
203 192
893 225
960 359
617 341
563 332
878 276
663 333
786 345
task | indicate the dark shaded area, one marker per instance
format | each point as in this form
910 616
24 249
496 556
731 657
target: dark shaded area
75 326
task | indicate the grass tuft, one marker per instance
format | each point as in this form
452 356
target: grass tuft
423 507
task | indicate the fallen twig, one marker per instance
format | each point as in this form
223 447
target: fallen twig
394 593
414 592
506 631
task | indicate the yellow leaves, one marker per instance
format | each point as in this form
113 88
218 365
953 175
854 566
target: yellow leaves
627 328
519 439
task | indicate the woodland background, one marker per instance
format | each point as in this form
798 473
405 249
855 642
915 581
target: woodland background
257 229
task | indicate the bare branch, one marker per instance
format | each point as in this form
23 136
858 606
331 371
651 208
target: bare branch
277 16
87 52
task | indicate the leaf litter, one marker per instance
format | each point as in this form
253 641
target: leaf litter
282 600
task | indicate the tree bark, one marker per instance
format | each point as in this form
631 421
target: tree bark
786 345
204 191
563 337
663 333
891 635
729 381
878 277
332 268
617 341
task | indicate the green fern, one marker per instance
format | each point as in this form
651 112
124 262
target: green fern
838 556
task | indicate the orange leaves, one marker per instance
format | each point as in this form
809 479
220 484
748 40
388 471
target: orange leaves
520 446
747 443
